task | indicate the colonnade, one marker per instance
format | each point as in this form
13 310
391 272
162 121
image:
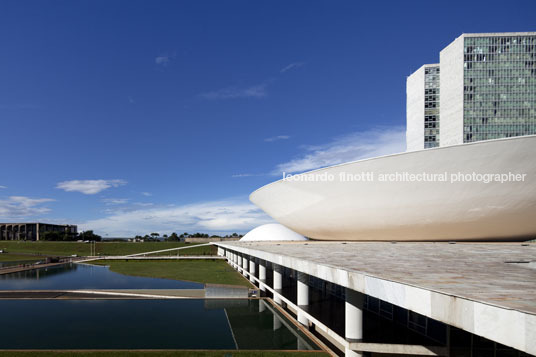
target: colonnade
246 265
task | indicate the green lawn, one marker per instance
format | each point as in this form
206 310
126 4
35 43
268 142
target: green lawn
4 257
103 248
162 353
200 271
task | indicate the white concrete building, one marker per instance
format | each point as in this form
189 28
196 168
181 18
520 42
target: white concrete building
422 108
488 91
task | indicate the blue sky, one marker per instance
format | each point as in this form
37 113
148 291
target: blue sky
129 117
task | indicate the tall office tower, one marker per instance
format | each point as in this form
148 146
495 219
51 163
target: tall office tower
488 91
488 87
422 110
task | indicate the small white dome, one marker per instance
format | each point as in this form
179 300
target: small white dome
272 232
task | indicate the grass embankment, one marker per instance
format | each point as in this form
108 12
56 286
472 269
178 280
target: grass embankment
231 353
199 271
103 248
4 257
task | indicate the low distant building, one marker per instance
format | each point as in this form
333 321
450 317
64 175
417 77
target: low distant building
32 231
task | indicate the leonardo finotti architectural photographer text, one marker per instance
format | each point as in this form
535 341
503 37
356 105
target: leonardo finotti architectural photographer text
404 176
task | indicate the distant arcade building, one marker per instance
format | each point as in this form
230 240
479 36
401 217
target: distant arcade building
32 231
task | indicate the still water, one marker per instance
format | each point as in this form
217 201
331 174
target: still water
82 276
147 324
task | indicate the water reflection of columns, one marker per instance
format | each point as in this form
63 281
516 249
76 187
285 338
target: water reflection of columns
277 322
302 345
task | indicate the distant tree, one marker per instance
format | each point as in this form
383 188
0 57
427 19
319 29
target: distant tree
165 236
173 237
89 235
53 236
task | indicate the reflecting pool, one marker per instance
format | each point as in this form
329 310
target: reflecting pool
84 276
147 324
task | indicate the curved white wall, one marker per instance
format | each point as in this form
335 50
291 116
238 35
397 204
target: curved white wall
415 211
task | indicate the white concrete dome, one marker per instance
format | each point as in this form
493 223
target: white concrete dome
272 232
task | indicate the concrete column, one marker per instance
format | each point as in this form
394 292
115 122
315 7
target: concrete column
303 297
221 252
245 264
262 273
353 329
278 282
239 262
252 270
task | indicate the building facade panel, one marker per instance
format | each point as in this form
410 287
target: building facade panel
431 106
499 86
415 110
451 101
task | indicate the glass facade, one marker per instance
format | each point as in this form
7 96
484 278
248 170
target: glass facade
431 107
499 87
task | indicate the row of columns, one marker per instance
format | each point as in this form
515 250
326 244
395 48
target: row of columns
353 305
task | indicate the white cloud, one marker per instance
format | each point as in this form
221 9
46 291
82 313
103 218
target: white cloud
292 66
21 206
162 60
1 187
143 204
275 138
351 147
256 91
89 187
115 201
247 175
217 216
147 194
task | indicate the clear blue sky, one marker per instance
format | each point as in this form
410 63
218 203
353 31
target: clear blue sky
129 117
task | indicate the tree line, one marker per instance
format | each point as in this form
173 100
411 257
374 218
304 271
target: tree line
70 237
174 237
